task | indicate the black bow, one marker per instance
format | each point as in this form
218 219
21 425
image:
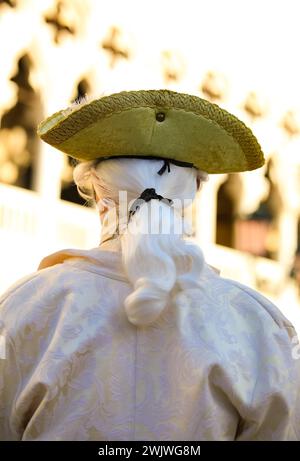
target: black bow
146 196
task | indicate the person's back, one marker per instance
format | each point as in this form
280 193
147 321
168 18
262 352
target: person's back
218 367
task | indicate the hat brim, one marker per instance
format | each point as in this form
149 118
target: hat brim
191 130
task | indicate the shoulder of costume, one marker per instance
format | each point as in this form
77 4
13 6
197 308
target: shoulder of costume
265 304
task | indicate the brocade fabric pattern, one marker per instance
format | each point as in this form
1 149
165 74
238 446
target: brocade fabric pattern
220 367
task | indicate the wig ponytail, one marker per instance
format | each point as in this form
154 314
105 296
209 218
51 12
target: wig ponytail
161 267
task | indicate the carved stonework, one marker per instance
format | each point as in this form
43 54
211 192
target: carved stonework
291 123
228 197
254 105
68 188
214 86
114 45
10 3
173 66
59 22
18 134
14 157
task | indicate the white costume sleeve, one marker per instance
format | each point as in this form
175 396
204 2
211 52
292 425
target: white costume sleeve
10 381
10 372
274 411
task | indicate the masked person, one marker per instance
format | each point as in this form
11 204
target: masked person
139 338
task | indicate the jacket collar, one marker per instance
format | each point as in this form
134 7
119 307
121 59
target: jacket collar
104 259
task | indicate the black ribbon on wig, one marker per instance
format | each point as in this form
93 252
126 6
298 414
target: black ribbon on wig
146 196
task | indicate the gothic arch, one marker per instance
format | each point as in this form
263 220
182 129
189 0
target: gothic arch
19 124
68 187
227 200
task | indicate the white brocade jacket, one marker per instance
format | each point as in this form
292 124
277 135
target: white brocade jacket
225 366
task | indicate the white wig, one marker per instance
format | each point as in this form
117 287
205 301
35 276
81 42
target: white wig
162 267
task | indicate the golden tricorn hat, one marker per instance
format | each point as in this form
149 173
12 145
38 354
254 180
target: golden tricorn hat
155 123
